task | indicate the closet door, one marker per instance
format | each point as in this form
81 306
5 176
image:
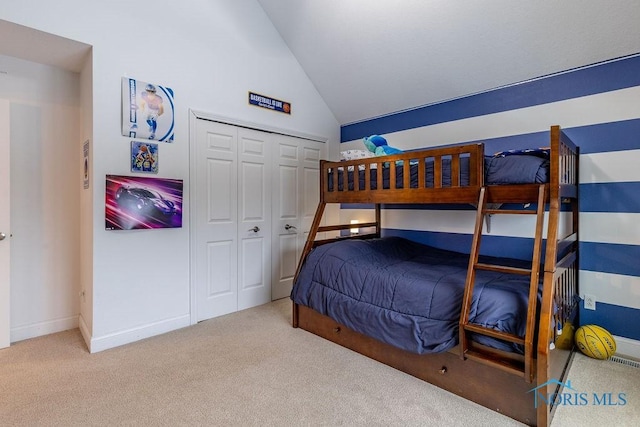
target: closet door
254 221
216 205
233 219
296 195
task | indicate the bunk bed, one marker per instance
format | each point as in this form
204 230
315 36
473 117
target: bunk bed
505 359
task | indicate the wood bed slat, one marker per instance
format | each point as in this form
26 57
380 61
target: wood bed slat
494 334
437 172
503 269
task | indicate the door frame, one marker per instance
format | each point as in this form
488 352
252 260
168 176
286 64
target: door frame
5 224
194 116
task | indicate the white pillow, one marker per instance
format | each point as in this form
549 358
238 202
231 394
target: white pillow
355 154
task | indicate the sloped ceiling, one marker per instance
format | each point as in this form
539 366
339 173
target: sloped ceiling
369 58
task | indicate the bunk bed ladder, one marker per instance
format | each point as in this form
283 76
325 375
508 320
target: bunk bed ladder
510 364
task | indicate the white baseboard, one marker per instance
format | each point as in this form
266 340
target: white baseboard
43 328
627 347
117 339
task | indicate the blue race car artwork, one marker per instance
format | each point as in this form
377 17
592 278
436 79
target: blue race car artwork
142 203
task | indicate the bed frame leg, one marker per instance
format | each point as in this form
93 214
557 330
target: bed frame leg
295 316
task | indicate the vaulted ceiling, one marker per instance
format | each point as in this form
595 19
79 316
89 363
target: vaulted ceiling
369 58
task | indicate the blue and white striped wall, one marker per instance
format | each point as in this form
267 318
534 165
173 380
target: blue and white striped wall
598 107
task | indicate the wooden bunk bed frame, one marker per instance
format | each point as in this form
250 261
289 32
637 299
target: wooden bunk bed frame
523 387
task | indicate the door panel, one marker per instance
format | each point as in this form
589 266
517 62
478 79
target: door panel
254 286
5 226
216 259
287 214
310 190
296 192
220 257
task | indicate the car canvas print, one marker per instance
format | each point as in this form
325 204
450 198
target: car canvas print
142 203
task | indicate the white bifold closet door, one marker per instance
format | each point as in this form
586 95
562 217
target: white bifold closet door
255 196
233 219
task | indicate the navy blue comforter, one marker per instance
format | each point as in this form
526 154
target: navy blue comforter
407 294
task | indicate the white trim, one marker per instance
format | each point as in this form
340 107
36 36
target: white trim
257 126
193 312
43 328
135 334
627 347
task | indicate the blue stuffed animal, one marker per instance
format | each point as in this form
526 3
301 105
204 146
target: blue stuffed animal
378 146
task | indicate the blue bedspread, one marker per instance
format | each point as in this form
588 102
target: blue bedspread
407 294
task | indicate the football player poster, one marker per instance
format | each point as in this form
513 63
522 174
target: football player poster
147 110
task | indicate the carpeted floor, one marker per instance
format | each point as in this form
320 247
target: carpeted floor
253 368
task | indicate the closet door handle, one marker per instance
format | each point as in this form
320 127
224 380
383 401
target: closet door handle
290 227
254 229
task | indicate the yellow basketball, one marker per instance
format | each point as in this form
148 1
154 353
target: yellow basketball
595 342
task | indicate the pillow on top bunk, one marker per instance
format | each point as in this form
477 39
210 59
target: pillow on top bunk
516 169
542 152
356 154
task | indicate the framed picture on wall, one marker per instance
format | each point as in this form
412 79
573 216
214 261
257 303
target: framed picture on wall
147 110
133 202
144 157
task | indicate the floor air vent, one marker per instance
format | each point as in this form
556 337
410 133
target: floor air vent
623 361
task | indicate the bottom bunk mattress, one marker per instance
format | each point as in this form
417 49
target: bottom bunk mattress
409 295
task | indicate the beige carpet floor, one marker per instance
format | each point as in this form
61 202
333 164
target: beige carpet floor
252 368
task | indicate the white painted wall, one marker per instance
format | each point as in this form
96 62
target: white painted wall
211 54
44 111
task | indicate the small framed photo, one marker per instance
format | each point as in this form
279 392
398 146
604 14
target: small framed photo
144 157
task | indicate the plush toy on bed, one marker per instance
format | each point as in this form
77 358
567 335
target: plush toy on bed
378 146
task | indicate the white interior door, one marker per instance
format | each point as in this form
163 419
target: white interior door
216 246
254 232
5 230
296 196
